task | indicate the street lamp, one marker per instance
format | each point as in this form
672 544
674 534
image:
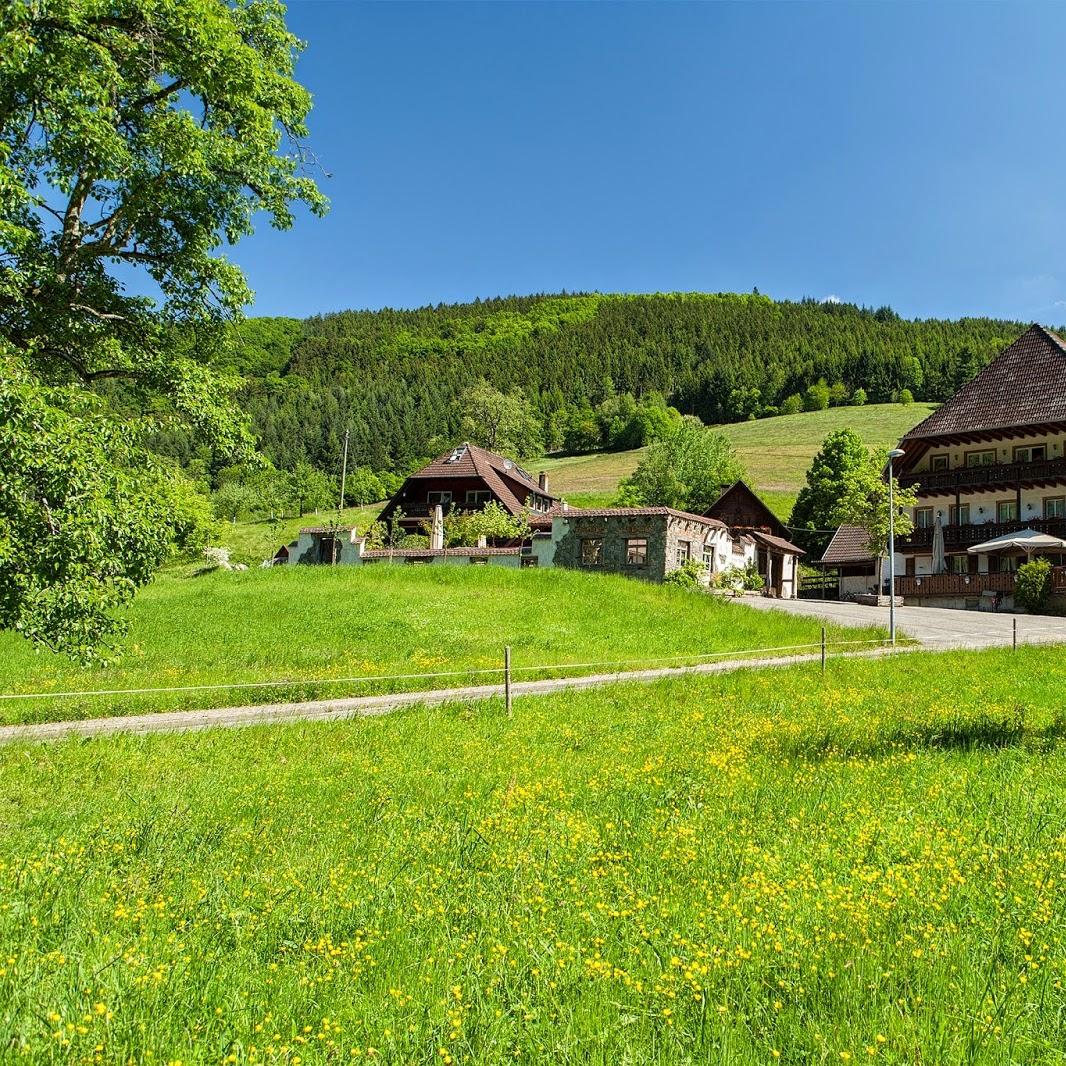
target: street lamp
896 453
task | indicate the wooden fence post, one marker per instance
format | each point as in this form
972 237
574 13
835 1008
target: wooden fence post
507 680
823 649
1014 634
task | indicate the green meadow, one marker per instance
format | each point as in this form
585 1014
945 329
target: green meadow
306 632
775 452
769 866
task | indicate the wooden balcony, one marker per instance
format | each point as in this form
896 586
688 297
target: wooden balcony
965 536
969 584
975 478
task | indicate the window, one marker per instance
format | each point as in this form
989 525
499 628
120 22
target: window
443 498
708 555
418 560
528 560
960 564
479 560
923 517
684 552
1055 506
478 497
537 503
959 516
637 551
1007 511
983 458
592 551
1030 453
939 462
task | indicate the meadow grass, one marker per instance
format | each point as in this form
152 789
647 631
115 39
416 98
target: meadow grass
769 866
252 542
312 624
775 452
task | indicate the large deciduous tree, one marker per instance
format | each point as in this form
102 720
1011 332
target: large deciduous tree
689 470
136 138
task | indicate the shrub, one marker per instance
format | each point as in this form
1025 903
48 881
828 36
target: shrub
792 405
1032 588
687 576
858 398
751 579
906 396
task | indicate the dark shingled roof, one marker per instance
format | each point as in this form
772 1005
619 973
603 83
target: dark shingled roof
1024 385
777 543
850 544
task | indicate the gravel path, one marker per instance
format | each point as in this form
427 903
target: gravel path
367 706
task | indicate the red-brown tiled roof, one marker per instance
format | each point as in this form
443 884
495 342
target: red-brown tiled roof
544 520
850 544
1024 385
328 529
778 543
468 460
429 553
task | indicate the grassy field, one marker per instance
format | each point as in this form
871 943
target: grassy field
296 624
762 867
776 452
252 542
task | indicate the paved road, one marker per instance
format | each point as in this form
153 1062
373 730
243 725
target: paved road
368 706
935 627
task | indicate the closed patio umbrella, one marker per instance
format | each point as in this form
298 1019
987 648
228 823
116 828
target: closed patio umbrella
940 563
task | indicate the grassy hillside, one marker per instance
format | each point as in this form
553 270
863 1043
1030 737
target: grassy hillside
751 869
252 542
776 452
305 623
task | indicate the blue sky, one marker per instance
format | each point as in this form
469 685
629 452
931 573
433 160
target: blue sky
908 154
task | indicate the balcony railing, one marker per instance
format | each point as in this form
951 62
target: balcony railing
979 477
969 584
964 536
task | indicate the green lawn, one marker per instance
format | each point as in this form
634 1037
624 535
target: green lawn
252 542
775 452
305 623
762 867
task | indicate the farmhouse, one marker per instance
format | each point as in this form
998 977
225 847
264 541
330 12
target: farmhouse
989 466
776 556
642 542
466 478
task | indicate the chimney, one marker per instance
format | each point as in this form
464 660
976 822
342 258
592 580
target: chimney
542 480
436 532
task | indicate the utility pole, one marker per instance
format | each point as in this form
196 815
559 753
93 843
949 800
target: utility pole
344 472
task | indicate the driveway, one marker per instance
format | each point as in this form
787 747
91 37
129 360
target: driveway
933 626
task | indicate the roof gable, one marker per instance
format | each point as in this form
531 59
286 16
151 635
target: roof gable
850 544
741 501
1024 385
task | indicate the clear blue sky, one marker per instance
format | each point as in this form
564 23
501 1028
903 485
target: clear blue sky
909 154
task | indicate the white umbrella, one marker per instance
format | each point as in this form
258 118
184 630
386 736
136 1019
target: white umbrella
940 563
1025 540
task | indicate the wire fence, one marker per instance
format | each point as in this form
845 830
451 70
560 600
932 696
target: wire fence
672 663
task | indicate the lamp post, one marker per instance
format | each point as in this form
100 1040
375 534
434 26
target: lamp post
896 453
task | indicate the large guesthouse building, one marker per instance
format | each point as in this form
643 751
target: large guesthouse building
989 465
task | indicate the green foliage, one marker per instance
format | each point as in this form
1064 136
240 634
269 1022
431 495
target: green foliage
816 398
865 504
1032 585
364 486
502 422
689 575
818 509
792 405
493 522
86 514
905 396
135 136
688 470
751 579
858 397
310 489
397 377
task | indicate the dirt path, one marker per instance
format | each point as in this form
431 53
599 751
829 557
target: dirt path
366 706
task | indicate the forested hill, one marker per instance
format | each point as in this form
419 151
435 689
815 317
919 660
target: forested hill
396 377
